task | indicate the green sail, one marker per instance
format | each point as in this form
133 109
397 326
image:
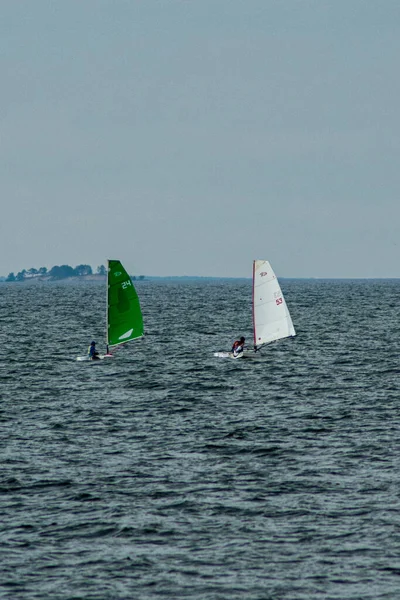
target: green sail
124 317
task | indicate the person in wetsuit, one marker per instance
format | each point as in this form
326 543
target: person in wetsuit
238 346
92 352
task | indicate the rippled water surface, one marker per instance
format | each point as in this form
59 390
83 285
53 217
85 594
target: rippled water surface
166 472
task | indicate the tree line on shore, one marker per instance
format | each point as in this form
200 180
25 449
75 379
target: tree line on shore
59 272
56 272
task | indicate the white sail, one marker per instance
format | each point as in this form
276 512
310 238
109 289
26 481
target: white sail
271 318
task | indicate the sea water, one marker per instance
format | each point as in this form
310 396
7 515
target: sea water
168 473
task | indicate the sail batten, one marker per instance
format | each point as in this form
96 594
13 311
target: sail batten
124 316
271 317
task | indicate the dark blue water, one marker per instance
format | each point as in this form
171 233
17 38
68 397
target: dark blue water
166 472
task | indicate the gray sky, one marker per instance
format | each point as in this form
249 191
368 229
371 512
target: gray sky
187 137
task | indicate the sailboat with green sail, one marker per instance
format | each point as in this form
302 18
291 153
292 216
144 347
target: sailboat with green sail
123 314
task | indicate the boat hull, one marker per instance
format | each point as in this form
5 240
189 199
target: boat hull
244 354
87 359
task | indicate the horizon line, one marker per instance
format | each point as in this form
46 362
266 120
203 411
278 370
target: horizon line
146 277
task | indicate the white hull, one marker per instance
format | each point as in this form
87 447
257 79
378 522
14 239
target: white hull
226 355
244 354
87 359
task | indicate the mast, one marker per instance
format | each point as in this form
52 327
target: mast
254 323
107 288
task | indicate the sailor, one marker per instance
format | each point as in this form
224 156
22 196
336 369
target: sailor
92 352
238 346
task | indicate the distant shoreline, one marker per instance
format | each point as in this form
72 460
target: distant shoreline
103 278
183 278
48 279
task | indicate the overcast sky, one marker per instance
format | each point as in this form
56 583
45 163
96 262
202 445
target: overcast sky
188 137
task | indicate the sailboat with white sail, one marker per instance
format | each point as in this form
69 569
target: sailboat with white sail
271 317
123 313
